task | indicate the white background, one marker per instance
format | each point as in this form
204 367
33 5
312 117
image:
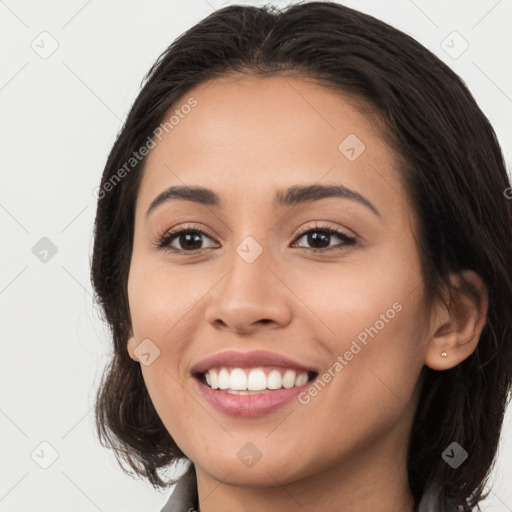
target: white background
59 118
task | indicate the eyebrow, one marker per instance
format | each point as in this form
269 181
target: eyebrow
292 196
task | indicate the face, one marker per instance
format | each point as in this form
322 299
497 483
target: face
283 281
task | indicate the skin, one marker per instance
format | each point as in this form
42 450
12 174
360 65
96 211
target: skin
247 138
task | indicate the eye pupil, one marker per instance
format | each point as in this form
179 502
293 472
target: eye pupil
316 236
190 241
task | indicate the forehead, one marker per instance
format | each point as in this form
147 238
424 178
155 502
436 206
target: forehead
251 133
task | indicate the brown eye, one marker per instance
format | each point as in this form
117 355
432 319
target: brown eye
319 239
183 240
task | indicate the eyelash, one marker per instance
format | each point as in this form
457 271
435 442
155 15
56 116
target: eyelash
164 241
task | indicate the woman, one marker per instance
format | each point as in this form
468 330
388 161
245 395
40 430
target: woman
302 248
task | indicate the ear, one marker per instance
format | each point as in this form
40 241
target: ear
456 328
132 345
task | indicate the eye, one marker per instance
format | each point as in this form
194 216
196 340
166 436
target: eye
182 239
191 240
320 237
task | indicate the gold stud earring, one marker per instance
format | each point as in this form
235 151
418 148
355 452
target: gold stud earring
444 354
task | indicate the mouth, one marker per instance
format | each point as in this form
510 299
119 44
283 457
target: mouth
254 381
250 384
251 392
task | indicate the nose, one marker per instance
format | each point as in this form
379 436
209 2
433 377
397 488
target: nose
248 298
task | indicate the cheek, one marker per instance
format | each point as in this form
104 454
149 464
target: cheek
371 378
161 298
165 307
348 296
365 316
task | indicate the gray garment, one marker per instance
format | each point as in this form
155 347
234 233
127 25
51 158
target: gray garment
184 497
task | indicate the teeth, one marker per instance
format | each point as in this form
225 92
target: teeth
274 380
238 380
246 392
214 380
289 379
224 379
256 381
246 382
301 379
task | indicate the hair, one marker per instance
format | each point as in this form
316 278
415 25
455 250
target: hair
453 172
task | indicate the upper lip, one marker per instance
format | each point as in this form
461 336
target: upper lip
238 359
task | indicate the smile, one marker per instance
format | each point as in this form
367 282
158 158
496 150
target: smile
254 380
250 384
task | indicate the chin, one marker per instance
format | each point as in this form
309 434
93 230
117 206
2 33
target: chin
268 471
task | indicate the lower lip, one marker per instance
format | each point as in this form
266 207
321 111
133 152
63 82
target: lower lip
248 406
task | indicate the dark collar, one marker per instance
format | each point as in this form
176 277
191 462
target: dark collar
184 497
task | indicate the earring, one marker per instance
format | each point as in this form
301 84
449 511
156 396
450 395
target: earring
444 354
